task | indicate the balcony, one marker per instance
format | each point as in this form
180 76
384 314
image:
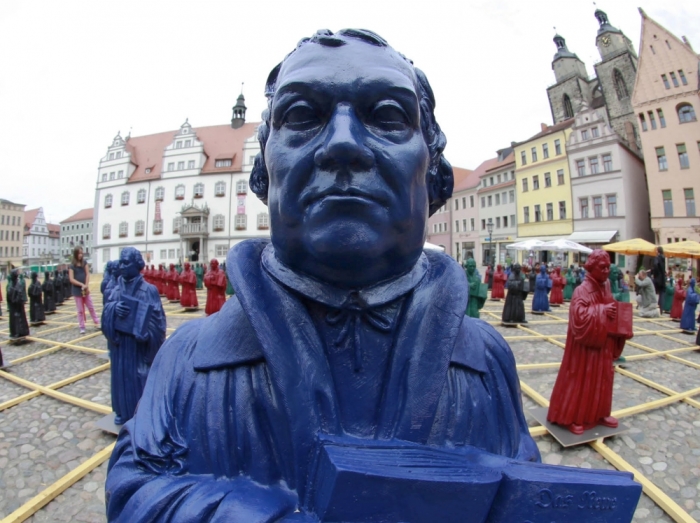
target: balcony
194 229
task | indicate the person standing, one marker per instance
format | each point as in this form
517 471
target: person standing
79 277
658 274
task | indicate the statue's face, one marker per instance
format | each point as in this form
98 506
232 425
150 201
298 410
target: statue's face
347 159
128 265
214 265
601 270
471 267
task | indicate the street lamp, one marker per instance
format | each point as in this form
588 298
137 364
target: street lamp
489 227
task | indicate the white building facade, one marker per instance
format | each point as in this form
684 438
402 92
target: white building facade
41 240
178 196
77 230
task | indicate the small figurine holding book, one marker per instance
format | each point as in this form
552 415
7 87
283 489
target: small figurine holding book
499 282
188 298
37 316
598 329
133 322
543 284
17 317
477 290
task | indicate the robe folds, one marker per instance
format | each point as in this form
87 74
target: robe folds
692 298
173 285
668 296
570 285
499 282
678 300
215 282
540 300
227 423
514 308
583 391
199 272
131 359
188 279
36 305
15 310
475 302
49 298
557 295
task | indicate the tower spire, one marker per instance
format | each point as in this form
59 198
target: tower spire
239 110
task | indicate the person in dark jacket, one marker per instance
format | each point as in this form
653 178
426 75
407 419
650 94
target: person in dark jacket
658 274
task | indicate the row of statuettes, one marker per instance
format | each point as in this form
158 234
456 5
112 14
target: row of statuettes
553 288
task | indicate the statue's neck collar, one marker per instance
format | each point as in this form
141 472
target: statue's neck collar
316 290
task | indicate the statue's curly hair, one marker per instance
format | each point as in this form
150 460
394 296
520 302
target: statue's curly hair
439 177
596 256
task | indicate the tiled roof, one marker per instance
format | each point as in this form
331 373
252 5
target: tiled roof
473 179
85 214
54 230
220 142
506 161
464 179
550 129
30 216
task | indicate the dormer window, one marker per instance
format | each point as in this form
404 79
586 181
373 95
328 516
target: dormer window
178 144
223 163
111 156
148 170
188 143
119 154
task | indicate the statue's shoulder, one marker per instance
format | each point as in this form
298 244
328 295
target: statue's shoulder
478 344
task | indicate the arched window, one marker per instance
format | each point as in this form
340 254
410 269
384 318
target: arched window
123 229
180 192
219 222
140 227
686 113
141 196
125 198
220 189
160 194
106 231
108 201
198 190
568 109
620 86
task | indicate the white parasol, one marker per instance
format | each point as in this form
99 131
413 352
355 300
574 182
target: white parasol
563 245
526 245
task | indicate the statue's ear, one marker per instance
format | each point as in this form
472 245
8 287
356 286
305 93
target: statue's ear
440 184
259 179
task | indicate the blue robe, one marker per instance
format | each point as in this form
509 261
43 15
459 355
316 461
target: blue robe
540 301
131 359
228 420
692 298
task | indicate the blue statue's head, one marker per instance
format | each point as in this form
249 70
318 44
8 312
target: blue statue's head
351 163
692 283
130 263
543 269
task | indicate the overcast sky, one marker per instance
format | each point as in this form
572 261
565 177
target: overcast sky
73 73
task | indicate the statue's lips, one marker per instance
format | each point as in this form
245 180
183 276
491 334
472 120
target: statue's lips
343 196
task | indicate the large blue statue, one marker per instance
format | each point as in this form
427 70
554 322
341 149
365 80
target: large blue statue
133 322
692 298
543 284
344 361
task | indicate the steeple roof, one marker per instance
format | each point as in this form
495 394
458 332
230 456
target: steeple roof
605 26
562 50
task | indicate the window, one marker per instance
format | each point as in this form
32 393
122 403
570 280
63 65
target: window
181 165
597 206
111 156
157 226
661 158
125 198
171 166
491 180
607 163
562 210
188 143
545 151
583 202
682 75
106 231
241 187
612 204
526 214
534 154
498 222
568 109
538 213
652 120
504 197
511 196
163 254
108 201
456 204
505 222
180 192
220 189
490 200
483 224
141 196
160 194
483 202
140 227
171 252
665 80
643 121
177 224
662 120
550 212
584 134
593 162
581 167
178 144
620 86
219 222
105 255
682 156
120 174
498 179
686 113
547 179
198 190
594 132
471 224
560 177
535 182
471 197
104 177
148 170
464 202
123 229
674 79
456 225
557 147
223 163
689 202
241 222
524 184
668 203
111 175
523 158
498 199
221 251
190 164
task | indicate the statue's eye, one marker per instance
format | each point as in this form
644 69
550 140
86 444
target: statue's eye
301 116
389 114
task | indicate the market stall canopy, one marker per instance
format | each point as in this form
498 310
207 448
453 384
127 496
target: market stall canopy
432 247
686 249
564 246
525 245
632 247
592 236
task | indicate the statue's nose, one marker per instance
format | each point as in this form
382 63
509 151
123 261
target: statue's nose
344 145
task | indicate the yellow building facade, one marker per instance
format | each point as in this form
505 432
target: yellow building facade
543 184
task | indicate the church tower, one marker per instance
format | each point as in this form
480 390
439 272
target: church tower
573 89
239 110
616 73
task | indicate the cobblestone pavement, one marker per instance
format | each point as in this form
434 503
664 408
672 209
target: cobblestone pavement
43 438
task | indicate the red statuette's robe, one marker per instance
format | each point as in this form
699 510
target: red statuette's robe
583 391
174 285
215 282
188 279
499 282
162 282
678 302
557 294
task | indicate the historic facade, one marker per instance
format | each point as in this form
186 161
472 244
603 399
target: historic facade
77 230
666 100
179 195
41 244
465 214
440 224
11 235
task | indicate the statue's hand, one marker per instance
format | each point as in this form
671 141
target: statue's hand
122 309
611 311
